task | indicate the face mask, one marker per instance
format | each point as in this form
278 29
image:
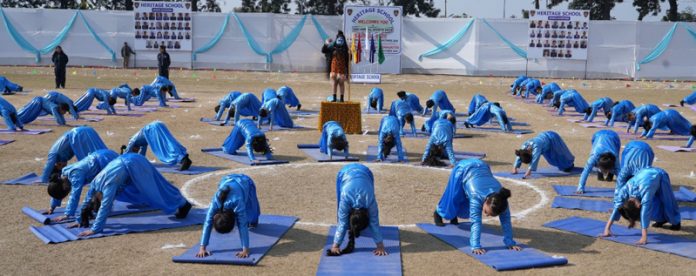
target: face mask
340 41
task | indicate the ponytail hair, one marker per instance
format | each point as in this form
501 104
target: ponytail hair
433 157
631 212
359 220
499 201
389 143
88 210
525 155
224 220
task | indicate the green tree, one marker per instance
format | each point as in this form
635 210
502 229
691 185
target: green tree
417 7
599 9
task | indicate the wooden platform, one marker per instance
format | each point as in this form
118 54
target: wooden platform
346 113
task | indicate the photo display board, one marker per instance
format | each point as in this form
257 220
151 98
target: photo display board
163 23
558 34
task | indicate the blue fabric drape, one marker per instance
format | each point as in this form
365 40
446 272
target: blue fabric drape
97 38
282 46
215 39
659 49
690 30
17 38
449 43
320 30
519 51
61 36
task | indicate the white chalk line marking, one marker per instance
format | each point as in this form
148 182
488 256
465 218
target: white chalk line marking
192 182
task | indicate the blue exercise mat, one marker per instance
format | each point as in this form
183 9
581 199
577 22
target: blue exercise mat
494 129
193 170
424 135
118 208
362 261
497 256
264 127
392 158
683 194
303 113
241 157
5 142
687 212
539 173
313 152
223 247
59 233
658 242
27 179
25 132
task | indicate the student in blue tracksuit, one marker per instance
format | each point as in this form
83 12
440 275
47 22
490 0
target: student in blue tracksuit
245 133
473 192
618 112
225 103
60 99
547 92
605 104
150 91
551 146
165 147
403 111
389 136
375 100
639 115
234 203
572 98
357 209
483 116
40 105
667 119
125 92
73 177
78 142
438 100
246 104
604 155
7 87
533 86
477 101
132 179
636 156
442 114
103 96
412 100
161 81
556 98
9 114
288 96
439 144
275 112
333 138
267 94
690 99
517 83
646 196
692 138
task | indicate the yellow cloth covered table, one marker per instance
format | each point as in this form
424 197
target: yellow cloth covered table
346 113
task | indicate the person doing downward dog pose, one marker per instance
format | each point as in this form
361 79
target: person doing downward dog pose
483 116
547 92
472 192
288 96
225 103
517 83
672 120
403 111
246 133
60 99
375 100
636 156
132 179
39 105
78 142
551 146
571 98
357 209
439 144
605 104
234 203
646 196
7 87
389 136
333 138
9 114
161 81
477 101
411 99
275 112
606 145
150 91
125 92
246 104
533 86
165 147
442 114
618 112
639 115
438 100
103 96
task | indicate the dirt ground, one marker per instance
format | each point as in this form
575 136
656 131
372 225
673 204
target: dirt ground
406 194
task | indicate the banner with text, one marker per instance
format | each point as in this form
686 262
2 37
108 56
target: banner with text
558 34
163 23
374 37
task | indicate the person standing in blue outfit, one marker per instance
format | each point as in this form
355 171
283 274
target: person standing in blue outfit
78 142
289 98
472 192
517 83
246 104
150 91
103 96
245 133
132 179
547 92
125 92
403 111
618 112
73 177
442 114
548 144
636 156
165 147
275 112
411 99
572 98
389 136
59 99
690 99
9 114
439 144
438 100
333 138
533 86
225 103
234 203
605 104
357 209
646 196
667 119
477 101
606 145
8 87
375 100
161 81
40 105
483 116
639 115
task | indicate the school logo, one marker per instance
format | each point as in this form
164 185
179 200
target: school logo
585 13
136 4
188 6
396 12
349 11
532 13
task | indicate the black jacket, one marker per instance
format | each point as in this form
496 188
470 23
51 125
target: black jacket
126 51
59 60
163 60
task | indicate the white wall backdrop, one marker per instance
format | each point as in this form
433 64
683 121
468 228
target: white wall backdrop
614 46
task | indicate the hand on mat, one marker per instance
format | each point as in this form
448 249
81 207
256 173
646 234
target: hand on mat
48 212
514 170
202 252
334 251
479 251
59 219
74 225
515 248
379 251
86 233
607 233
642 241
243 254
527 175
579 192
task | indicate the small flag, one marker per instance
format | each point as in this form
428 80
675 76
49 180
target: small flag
380 51
358 51
352 46
372 48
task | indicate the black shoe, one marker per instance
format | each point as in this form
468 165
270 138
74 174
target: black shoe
253 225
658 224
183 211
569 169
185 163
600 176
333 100
681 103
423 128
610 177
123 148
454 221
438 219
675 227
341 98
467 125
298 107
21 89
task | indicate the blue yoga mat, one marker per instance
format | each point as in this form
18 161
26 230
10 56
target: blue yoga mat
362 261
5 142
497 256
539 173
495 129
193 170
303 113
313 152
683 194
242 158
264 127
424 135
658 242
181 100
59 233
223 247
27 179
25 132
687 212
118 208
392 158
